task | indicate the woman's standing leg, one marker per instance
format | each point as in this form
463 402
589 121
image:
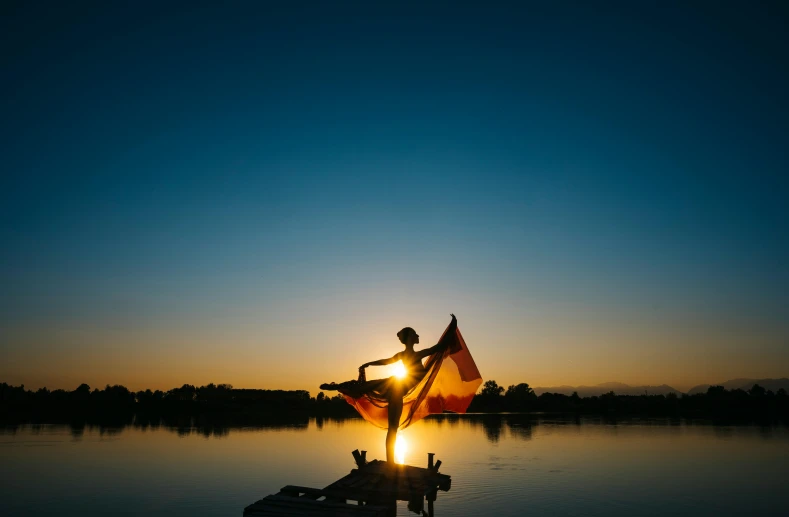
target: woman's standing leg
395 411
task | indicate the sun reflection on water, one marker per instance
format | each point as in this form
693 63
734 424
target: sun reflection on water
401 446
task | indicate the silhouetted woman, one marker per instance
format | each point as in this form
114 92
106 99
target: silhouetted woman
394 388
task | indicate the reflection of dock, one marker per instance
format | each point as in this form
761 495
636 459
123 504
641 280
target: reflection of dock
371 489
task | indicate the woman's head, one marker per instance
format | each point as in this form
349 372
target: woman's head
408 336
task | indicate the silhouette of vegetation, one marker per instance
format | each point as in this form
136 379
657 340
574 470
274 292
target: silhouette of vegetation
214 407
716 403
184 407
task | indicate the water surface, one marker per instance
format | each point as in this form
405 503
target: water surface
500 465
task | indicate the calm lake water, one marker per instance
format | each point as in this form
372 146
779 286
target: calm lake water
500 465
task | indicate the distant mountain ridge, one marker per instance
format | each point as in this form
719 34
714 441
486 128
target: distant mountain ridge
744 384
619 388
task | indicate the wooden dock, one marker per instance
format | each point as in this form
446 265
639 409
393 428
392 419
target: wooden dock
372 489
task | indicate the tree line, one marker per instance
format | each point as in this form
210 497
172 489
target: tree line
215 401
716 402
223 403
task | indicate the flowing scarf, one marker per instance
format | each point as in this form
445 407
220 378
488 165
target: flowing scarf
450 383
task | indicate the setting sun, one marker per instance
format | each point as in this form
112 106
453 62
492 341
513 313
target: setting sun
399 369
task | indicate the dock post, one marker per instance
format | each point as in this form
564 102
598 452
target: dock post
430 496
364 457
430 459
357 458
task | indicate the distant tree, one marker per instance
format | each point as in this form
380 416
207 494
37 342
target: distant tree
82 390
716 391
212 393
756 391
187 392
521 390
491 389
519 397
117 394
82 394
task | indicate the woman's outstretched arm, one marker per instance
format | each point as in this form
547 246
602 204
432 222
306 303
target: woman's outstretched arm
440 346
430 351
383 362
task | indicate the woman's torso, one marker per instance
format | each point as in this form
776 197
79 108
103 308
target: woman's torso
413 364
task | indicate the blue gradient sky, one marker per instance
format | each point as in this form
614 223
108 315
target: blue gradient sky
264 194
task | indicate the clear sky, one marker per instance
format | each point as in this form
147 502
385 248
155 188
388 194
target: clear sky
264 193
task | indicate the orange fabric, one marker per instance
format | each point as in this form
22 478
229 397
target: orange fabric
450 383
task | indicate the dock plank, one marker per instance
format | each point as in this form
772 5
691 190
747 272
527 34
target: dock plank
277 504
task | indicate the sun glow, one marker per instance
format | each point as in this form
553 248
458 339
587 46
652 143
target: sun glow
399 370
401 446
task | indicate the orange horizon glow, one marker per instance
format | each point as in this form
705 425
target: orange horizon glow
290 356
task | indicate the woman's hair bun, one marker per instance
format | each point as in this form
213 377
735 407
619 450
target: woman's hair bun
405 333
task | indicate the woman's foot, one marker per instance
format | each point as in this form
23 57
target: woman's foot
329 387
